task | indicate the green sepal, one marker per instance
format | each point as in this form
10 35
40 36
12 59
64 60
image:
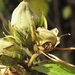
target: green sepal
43 22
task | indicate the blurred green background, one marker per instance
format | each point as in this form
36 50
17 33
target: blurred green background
59 14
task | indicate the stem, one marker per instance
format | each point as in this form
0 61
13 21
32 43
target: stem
25 66
28 52
59 60
64 35
70 48
33 58
54 58
48 56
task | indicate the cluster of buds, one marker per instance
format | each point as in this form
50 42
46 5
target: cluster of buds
28 32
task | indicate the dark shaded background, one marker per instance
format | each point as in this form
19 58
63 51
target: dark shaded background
55 19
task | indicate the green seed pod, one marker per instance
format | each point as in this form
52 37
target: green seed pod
43 35
23 16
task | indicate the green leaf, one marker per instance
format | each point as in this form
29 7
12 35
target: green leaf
10 49
3 44
9 61
10 54
13 51
54 69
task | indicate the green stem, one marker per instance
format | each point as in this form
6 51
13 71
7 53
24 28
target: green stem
70 48
33 58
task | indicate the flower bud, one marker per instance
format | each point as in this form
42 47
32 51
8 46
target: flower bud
23 16
44 35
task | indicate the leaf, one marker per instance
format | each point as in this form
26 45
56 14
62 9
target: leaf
53 69
9 61
13 51
10 49
4 44
67 12
10 54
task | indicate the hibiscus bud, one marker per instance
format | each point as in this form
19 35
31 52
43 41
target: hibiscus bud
23 19
44 35
23 16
